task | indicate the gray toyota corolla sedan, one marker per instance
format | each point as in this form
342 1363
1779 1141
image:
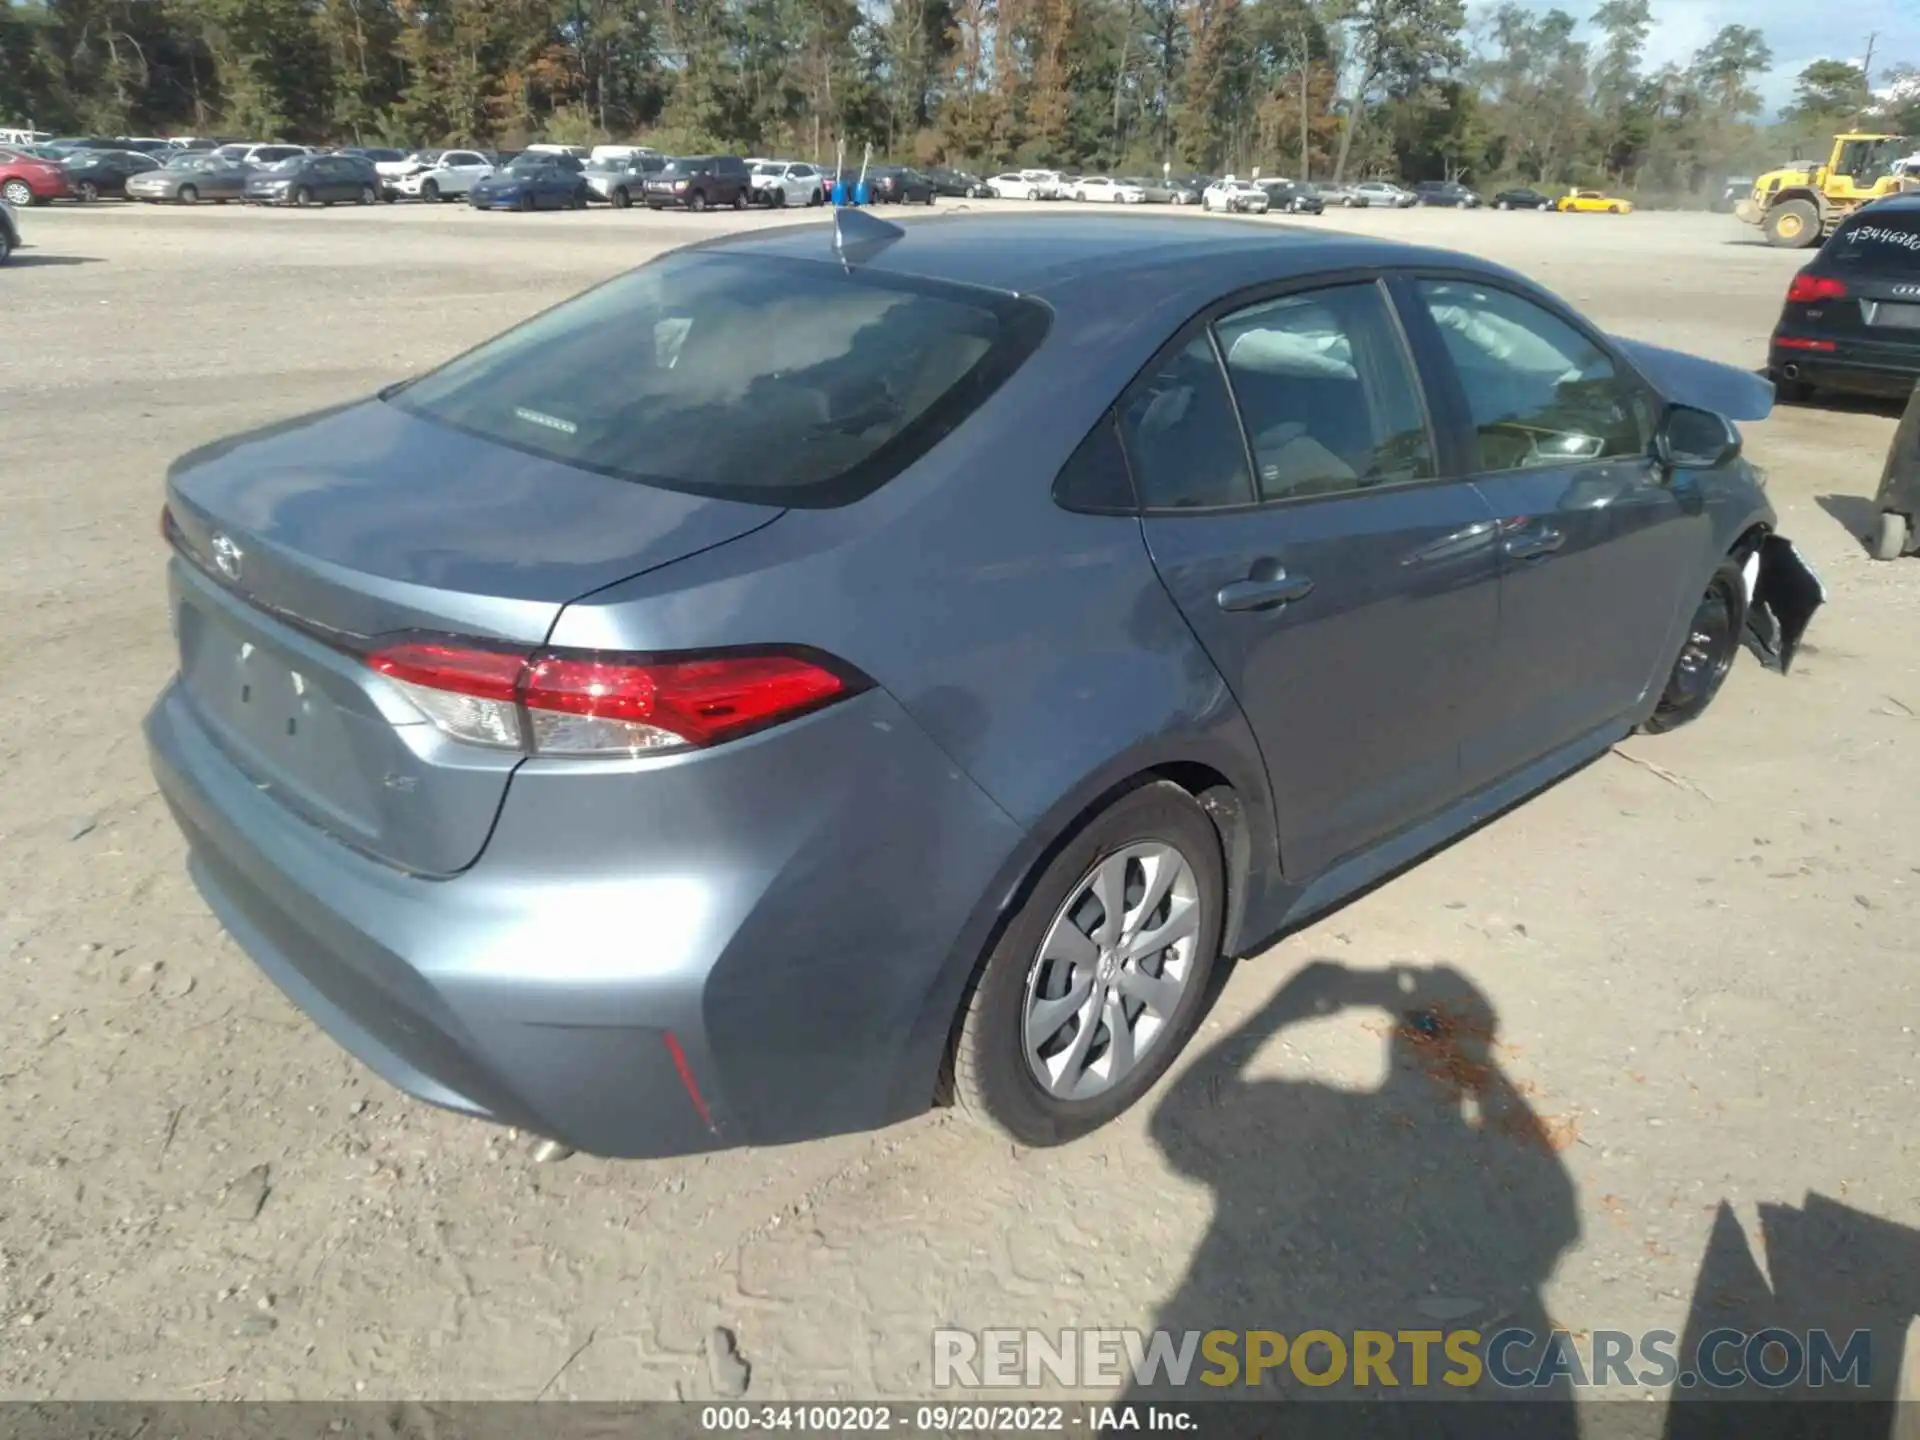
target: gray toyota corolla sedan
834 667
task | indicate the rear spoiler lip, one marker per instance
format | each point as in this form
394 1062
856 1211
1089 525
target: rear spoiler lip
1704 384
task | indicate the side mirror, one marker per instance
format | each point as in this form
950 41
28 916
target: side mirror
1690 439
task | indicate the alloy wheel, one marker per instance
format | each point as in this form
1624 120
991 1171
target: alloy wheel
15 192
1708 653
1111 970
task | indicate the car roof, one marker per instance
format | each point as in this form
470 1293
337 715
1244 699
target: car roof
1903 202
1052 256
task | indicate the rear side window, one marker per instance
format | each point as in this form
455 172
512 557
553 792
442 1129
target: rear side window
1887 241
772 381
1183 436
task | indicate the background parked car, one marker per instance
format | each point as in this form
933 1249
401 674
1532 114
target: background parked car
1105 189
190 178
956 184
781 183
1386 193
1522 198
1449 193
899 185
94 173
449 175
701 182
9 232
1296 197
1011 185
1347 197
28 180
1235 197
261 155
620 179
535 180
378 154
315 180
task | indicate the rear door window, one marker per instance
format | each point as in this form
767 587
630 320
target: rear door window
1889 241
781 382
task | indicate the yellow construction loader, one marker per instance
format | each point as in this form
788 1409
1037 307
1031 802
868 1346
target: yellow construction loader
1799 205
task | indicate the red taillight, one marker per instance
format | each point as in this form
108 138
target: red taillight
1808 289
558 703
1800 342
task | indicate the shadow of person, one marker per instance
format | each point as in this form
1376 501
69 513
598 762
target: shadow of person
1434 1203
1834 1279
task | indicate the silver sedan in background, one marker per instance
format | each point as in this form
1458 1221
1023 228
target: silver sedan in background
189 179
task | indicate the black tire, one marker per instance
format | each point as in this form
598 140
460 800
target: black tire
819 197
992 1078
430 191
740 199
1791 392
1707 651
621 197
6 249
578 200
777 197
1793 225
86 192
369 195
697 201
303 196
17 192
189 195
526 202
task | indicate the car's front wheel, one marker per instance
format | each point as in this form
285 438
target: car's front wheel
17 192
1707 653
369 195
1098 980
430 191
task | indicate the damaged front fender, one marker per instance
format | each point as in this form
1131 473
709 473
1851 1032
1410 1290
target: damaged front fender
1785 594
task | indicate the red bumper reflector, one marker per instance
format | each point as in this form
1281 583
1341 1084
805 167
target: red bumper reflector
686 1077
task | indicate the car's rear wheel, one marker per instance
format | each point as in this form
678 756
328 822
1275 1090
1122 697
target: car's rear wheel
1890 535
578 200
430 191
1793 225
1707 653
189 195
1098 980
17 192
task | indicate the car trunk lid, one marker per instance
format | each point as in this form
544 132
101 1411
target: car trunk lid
303 542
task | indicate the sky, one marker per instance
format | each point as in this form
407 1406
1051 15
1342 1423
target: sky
1797 31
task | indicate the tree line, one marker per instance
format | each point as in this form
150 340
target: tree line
1416 89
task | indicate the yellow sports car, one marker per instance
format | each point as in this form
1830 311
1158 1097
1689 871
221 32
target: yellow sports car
1591 202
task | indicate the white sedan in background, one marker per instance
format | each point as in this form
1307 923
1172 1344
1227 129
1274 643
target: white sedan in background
1235 197
1114 192
786 182
450 176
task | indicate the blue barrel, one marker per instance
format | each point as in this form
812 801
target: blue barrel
860 195
839 192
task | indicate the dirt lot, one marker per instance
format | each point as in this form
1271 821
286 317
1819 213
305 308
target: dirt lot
1697 955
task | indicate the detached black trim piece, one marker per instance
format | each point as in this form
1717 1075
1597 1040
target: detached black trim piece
1785 598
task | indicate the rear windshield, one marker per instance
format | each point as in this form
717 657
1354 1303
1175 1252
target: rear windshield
779 382
1878 242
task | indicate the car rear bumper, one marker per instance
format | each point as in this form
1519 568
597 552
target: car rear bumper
1872 368
653 958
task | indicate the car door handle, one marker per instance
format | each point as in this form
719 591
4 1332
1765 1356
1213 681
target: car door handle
1264 593
1534 544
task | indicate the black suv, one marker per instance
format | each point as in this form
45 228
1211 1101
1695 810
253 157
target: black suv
1445 192
1296 197
700 182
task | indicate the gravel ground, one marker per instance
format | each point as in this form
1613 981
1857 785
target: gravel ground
1696 953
